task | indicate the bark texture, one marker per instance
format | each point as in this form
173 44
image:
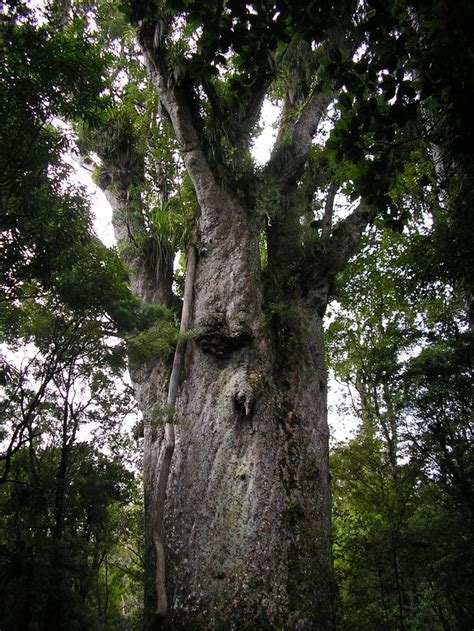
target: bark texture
245 538
247 514
246 530
248 504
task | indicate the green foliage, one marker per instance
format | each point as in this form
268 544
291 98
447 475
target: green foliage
438 395
249 33
406 84
47 241
119 596
62 500
156 340
172 224
403 485
401 546
371 551
50 576
399 341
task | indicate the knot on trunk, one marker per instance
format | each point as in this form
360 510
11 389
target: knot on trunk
238 394
220 335
244 396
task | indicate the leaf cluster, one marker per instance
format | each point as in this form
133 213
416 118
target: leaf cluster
47 240
48 574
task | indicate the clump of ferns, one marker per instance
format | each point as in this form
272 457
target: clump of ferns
168 232
117 144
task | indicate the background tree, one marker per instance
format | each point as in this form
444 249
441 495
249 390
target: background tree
403 526
62 500
48 246
56 579
63 295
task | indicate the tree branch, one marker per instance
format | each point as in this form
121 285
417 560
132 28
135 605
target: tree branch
346 236
178 108
254 105
294 145
326 222
213 97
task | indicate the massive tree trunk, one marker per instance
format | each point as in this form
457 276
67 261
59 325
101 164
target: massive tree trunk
247 515
248 505
245 525
247 510
246 528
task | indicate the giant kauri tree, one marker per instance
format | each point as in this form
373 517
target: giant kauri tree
237 497
241 453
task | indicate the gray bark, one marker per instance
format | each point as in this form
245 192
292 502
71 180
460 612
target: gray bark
248 504
244 530
247 512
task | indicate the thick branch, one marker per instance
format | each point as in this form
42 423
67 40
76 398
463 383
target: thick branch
151 277
326 223
284 170
181 115
151 268
292 149
295 138
346 236
254 105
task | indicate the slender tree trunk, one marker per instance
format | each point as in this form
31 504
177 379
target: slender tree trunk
168 440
